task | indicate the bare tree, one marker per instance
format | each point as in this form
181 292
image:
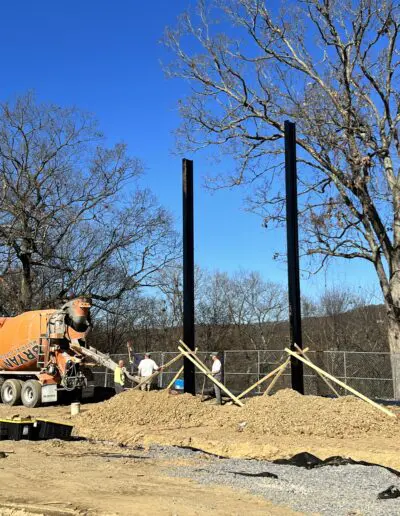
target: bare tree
213 314
240 311
333 67
72 217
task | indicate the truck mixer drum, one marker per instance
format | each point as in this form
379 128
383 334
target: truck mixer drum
77 314
36 356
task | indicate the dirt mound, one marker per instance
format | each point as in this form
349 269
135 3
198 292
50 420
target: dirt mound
290 413
127 417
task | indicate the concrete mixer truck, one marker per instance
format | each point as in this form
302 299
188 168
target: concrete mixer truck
44 351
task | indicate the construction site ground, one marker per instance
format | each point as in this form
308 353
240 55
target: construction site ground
121 469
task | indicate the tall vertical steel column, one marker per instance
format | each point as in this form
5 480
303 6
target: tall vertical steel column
292 230
188 272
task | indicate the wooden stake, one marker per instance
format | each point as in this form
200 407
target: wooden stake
171 383
259 382
210 376
193 354
342 384
177 375
202 389
156 373
277 376
328 383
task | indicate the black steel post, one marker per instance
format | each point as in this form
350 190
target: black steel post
188 273
292 231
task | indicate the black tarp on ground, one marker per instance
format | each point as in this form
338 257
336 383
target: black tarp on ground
310 461
390 492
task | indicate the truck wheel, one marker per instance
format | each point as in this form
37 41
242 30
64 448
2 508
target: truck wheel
31 394
11 392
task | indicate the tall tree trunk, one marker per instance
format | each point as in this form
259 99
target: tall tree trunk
394 333
26 282
394 345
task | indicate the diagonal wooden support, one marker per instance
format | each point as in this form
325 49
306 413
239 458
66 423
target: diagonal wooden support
328 383
342 384
263 379
202 389
259 382
210 376
165 366
171 383
193 354
277 376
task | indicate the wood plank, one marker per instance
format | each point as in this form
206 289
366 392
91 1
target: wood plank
156 373
210 376
342 384
259 382
193 353
328 383
175 378
277 376
177 375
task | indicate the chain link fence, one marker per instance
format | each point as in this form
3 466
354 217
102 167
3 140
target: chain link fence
368 372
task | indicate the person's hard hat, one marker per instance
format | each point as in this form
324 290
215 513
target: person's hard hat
215 354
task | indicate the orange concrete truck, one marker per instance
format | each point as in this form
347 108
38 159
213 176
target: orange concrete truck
41 353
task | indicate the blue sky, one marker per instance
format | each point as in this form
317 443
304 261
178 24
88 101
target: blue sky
104 57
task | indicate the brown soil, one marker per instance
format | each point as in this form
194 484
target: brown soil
287 413
266 427
81 478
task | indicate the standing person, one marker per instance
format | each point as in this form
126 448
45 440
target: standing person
217 373
146 368
119 377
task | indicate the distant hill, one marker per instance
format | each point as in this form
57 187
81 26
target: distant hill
361 329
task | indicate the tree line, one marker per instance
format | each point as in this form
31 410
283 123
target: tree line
333 68
73 215
74 219
240 311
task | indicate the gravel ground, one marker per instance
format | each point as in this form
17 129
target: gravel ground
330 490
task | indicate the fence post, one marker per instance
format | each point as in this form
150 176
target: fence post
258 370
345 367
160 376
223 368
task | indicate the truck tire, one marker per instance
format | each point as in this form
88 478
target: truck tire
31 394
11 392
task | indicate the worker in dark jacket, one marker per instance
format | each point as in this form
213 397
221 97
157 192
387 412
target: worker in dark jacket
119 377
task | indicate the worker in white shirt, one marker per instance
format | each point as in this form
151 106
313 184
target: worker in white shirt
146 368
216 371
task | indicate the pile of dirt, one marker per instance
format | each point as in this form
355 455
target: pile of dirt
130 415
124 417
290 413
